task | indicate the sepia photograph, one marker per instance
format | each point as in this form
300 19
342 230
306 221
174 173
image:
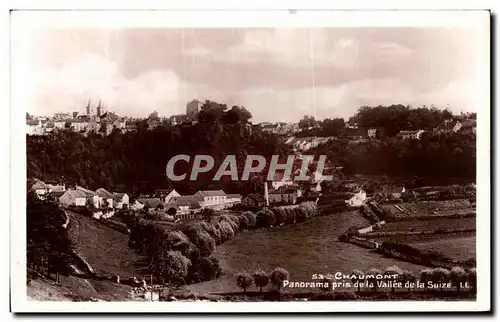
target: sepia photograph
284 161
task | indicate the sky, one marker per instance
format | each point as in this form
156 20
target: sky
278 74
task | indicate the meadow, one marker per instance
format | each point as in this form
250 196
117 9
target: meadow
307 248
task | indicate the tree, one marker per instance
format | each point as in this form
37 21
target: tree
265 218
260 279
67 125
209 268
207 214
176 267
278 276
243 222
307 122
458 276
172 211
426 276
251 218
440 275
243 280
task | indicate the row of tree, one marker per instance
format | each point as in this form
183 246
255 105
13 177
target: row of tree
261 279
431 156
49 247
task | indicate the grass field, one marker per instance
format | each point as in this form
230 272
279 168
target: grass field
431 208
302 249
105 248
456 248
438 223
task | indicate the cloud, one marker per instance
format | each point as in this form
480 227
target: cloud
90 76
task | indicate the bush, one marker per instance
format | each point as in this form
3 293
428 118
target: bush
265 218
278 276
228 219
280 215
260 279
243 222
226 230
251 218
243 280
300 214
176 267
290 216
202 239
209 268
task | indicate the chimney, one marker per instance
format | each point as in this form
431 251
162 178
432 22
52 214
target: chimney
266 193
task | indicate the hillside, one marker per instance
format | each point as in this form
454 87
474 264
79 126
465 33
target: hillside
72 288
104 248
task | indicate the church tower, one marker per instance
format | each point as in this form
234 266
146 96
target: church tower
87 109
99 108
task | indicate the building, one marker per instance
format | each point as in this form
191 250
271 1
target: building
465 126
121 200
372 133
106 196
151 203
284 195
73 197
234 198
280 180
89 194
192 110
394 192
357 200
211 197
166 194
34 127
253 200
42 189
186 204
411 135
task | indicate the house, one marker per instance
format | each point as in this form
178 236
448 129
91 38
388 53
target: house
151 203
166 194
279 180
89 194
411 135
465 126
357 200
284 195
372 133
187 204
211 197
394 192
54 195
137 205
34 127
121 200
253 200
234 198
106 196
72 197
40 188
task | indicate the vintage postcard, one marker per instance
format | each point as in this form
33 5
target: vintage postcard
250 161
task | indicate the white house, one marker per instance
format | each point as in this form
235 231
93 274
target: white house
137 205
91 195
357 200
211 197
73 198
107 196
166 194
121 199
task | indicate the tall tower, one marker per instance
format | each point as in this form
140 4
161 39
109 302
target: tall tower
99 107
87 109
